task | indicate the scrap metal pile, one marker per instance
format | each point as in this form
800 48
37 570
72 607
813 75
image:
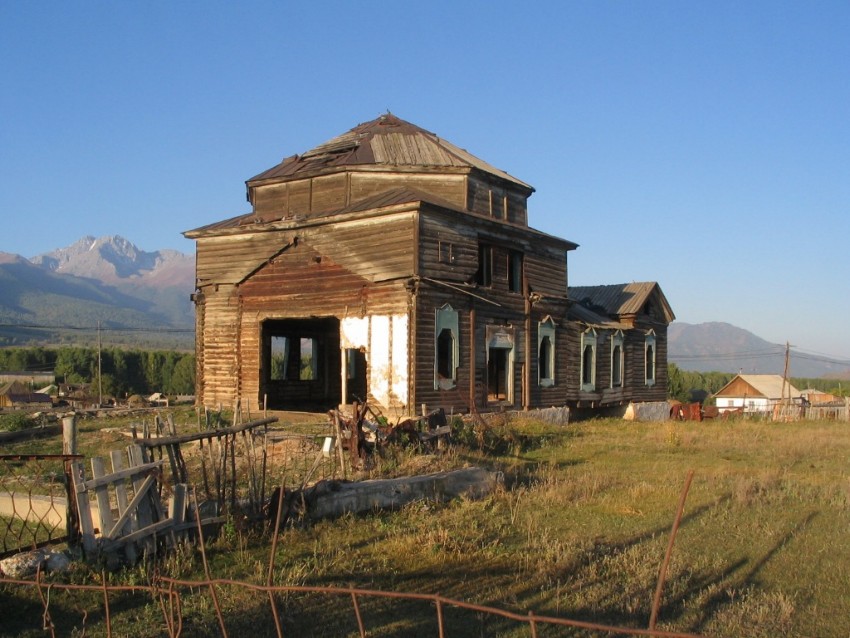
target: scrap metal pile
366 430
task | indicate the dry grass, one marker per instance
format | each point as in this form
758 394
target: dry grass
579 531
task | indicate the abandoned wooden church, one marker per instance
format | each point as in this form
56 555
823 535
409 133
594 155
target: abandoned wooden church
390 266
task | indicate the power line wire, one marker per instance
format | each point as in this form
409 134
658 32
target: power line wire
33 326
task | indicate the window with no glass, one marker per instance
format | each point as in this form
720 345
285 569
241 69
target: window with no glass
546 352
446 355
515 271
617 359
588 360
484 277
649 358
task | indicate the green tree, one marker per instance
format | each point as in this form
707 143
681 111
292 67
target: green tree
76 365
183 376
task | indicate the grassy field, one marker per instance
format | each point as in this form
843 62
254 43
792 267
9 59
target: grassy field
579 531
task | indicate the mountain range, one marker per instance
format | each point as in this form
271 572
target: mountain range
142 299
722 347
134 297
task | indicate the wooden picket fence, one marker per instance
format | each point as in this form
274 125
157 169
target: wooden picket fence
121 511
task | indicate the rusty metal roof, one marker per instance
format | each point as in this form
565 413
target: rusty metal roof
387 199
588 317
393 197
620 300
385 141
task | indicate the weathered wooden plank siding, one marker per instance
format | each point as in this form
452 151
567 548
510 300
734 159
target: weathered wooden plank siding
448 187
302 274
328 192
298 197
473 362
200 350
219 343
546 271
271 198
376 249
517 208
634 386
457 399
495 199
304 283
227 260
447 250
558 393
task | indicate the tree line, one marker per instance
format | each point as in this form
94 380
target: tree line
124 372
692 387
120 372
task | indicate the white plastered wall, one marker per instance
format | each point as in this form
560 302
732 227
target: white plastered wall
384 339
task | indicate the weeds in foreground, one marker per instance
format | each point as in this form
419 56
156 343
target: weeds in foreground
579 530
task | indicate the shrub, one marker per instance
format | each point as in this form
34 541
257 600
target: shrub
16 421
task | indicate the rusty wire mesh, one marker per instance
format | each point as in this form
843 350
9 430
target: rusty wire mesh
97 607
33 501
301 458
274 608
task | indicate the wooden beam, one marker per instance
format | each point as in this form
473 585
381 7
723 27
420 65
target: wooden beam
209 434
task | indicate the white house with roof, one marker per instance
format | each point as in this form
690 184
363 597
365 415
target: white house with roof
755 393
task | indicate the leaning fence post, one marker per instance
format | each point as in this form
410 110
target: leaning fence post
69 435
81 500
662 574
357 614
69 448
532 624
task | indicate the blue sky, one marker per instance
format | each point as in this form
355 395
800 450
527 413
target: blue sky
703 145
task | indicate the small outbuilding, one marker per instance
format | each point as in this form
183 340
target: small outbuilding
17 395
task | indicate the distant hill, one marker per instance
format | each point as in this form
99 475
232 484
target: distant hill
103 280
722 347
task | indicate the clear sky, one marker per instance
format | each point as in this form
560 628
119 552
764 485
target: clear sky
703 145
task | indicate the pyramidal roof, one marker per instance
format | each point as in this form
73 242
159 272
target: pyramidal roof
385 141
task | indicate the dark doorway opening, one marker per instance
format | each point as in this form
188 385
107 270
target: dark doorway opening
498 374
300 364
355 375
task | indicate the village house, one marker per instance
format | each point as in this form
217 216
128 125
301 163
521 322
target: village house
18 395
390 266
755 393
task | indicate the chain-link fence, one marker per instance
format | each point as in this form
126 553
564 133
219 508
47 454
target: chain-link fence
34 497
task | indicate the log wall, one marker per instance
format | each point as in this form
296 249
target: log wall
367 267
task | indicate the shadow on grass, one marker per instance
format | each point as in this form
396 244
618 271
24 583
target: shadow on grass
743 580
678 604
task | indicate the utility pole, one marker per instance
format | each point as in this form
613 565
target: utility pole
785 373
785 381
99 370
